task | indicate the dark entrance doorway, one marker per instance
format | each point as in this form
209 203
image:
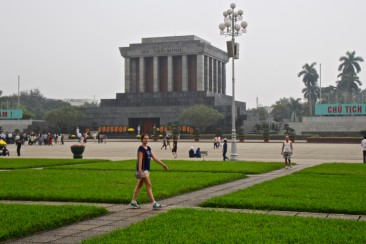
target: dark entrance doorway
146 124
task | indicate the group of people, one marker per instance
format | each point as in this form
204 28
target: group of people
193 154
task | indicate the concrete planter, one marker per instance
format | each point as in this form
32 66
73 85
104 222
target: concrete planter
77 150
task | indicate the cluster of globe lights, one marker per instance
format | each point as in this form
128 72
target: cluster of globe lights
231 18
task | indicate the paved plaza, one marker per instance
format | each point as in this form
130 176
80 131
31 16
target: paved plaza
248 151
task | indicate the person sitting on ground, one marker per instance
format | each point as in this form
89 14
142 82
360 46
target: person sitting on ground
198 153
191 153
5 151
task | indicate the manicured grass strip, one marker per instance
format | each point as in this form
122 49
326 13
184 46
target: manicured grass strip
199 226
23 163
358 169
100 185
326 193
185 166
20 220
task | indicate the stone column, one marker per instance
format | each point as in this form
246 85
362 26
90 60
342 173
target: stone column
216 76
219 76
170 73
127 75
200 72
223 78
184 73
211 86
142 74
156 73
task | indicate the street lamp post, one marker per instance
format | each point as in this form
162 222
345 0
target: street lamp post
232 28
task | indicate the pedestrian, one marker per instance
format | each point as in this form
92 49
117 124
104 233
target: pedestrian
287 151
168 142
18 142
363 145
164 143
175 147
144 155
224 150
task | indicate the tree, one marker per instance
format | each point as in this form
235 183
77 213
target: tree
330 94
295 107
310 77
262 112
201 116
35 103
349 81
281 110
311 93
64 119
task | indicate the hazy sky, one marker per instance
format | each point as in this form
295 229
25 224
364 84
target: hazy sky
69 48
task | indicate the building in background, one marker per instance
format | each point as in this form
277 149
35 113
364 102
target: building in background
164 76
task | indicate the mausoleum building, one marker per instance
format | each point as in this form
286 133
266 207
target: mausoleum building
164 76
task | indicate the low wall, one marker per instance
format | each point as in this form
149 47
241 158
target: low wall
330 125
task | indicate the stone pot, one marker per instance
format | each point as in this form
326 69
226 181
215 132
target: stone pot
77 151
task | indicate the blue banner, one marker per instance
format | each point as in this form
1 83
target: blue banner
340 109
11 114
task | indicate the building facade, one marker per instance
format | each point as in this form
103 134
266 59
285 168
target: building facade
164 76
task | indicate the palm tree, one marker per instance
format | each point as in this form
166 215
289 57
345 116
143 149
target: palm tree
349 67
311 93
309 77
295 107
350 63
348 84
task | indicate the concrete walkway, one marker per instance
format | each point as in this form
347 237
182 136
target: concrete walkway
121 215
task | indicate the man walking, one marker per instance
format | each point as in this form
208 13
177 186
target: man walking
224 150
363 145
286 151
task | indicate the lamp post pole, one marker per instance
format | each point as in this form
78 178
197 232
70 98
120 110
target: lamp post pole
231 28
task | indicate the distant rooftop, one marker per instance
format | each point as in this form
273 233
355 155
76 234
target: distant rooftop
172 39
80 102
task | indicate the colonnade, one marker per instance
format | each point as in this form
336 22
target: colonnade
175 73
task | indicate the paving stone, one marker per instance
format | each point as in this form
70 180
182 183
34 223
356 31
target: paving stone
283 213
313 215
363 218
343 216
255 211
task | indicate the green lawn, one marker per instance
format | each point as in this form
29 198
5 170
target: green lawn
20 220
335 188
185 166
110 186
200 226
23 163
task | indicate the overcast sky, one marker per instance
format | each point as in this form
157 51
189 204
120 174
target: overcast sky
69 48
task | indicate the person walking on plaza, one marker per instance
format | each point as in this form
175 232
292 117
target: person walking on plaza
224 150
363 145
18 142
175 147
164 143
144 155
287 151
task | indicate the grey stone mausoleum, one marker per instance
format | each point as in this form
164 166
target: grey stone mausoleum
164 76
